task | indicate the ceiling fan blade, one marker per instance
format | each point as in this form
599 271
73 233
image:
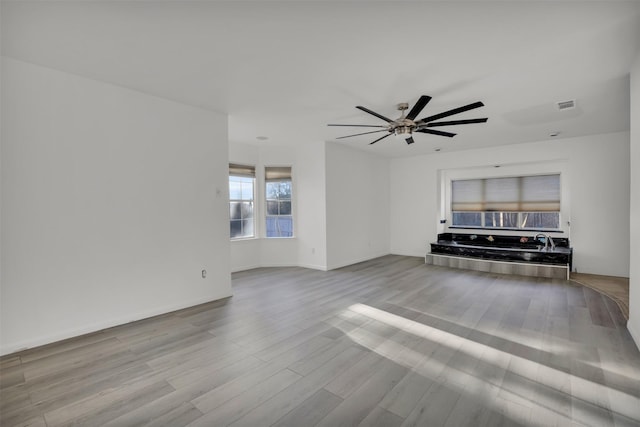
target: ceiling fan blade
361 126
363 133
418 106
451 112
456 122
410 140
436 132
380 139
373 113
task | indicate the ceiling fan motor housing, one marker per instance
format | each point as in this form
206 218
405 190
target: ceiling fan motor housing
404 131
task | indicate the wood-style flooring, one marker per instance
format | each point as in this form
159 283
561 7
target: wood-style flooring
388 342
616 288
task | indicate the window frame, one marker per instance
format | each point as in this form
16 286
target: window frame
446 176
266 215
252 200
519 220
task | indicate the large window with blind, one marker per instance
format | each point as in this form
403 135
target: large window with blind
509 203
279 218
241 201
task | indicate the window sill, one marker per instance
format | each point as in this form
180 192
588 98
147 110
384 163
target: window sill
522 230
253 239
244 239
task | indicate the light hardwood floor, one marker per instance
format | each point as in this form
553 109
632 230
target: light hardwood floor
388 342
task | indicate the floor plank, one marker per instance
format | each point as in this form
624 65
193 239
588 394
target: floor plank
386 342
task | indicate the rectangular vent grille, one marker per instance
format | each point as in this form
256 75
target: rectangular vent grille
566 105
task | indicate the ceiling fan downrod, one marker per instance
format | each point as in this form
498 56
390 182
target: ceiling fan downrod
403 127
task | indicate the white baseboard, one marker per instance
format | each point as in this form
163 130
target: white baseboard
278 264
251 267
245 268
412 254
98 326
356 261
314 267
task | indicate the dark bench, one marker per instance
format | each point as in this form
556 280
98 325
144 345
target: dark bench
523 248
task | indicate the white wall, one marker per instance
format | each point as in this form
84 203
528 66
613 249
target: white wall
634 256
260 251
113 203
331 185
357 195
598 169
312 210
245 254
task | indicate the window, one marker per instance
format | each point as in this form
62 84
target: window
516 203
241 195
279 219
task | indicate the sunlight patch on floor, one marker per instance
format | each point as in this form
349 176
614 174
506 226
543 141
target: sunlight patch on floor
555 392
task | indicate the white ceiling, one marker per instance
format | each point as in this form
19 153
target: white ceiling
286 69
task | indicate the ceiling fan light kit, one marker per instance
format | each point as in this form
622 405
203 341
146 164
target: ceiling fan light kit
403 131
405 126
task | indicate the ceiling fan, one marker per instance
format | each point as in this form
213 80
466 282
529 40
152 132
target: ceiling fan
405 126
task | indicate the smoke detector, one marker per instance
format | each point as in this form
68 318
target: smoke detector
566 105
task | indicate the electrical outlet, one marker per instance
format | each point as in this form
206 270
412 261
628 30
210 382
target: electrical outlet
204 274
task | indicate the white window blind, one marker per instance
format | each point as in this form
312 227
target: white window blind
540 193
241 170
277 173
467 195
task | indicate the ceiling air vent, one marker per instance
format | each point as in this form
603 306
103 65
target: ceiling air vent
566 105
